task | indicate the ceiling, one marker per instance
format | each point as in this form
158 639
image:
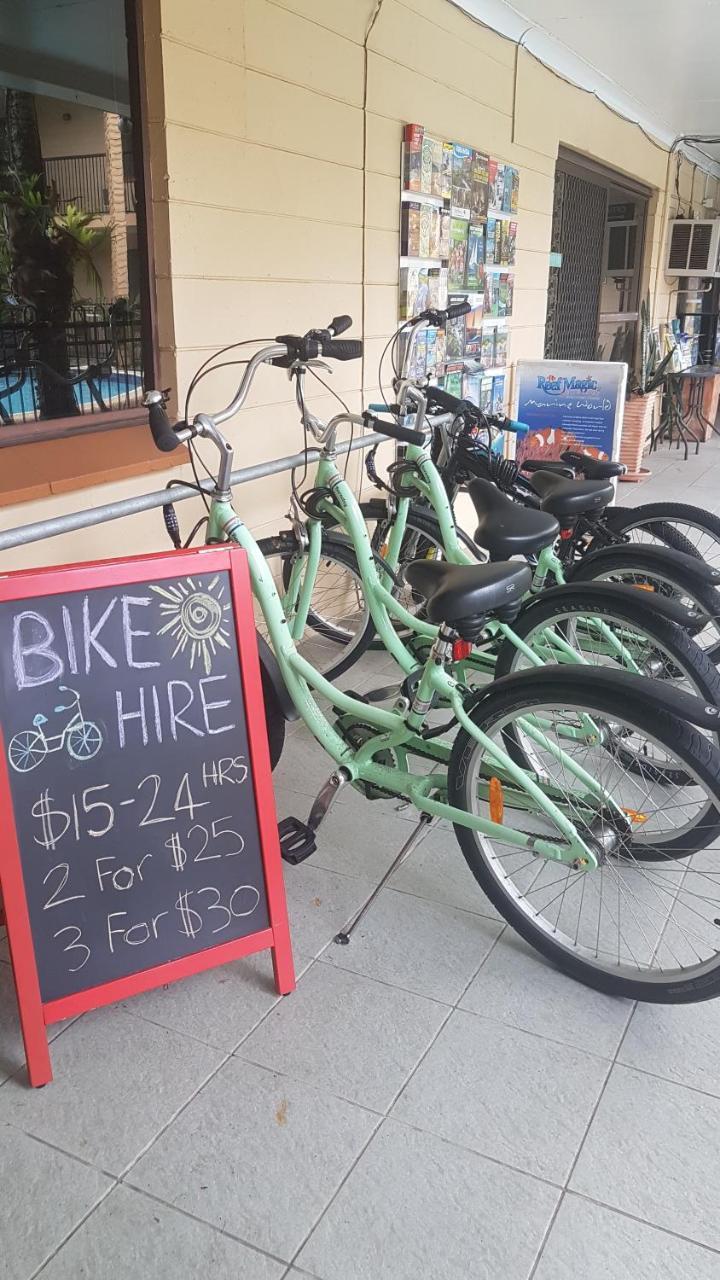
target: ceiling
653 60
71 49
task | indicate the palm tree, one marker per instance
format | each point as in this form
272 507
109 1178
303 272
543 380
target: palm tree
39 249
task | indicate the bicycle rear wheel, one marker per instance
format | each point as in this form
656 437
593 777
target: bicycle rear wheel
647 644
643 929
672 524
667 580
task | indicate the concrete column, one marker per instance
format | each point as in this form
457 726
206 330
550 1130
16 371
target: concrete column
116 206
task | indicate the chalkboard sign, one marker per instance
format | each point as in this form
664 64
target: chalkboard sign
135 776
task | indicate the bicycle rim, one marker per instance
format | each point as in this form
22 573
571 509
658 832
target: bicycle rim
650 921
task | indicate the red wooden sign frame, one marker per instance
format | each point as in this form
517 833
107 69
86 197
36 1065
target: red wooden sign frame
36 1015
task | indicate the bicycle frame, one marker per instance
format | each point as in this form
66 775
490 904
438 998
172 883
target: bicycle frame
427 482
399 731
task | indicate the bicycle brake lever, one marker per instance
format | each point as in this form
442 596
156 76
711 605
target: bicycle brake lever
307 364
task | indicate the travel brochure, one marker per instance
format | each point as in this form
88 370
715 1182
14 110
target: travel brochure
459 238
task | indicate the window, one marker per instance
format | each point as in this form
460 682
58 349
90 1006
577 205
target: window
598 232
74 303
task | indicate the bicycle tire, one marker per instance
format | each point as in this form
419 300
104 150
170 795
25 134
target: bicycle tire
524 694
274 720
700 595
657 517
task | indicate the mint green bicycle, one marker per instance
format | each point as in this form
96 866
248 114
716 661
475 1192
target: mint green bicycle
605 870
334 622
585 623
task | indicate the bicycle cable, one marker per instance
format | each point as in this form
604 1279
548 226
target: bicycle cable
297 495
204 370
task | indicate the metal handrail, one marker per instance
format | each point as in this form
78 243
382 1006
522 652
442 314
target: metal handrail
21 535
82 179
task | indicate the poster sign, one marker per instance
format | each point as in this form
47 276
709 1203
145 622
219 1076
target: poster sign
140 842
569 404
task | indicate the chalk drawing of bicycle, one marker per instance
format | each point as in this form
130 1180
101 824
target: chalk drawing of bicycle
81 738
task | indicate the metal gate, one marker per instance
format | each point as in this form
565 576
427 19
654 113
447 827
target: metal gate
578 233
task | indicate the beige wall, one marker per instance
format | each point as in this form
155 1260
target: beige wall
81 135
276 128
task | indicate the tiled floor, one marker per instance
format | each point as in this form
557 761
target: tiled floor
433 1103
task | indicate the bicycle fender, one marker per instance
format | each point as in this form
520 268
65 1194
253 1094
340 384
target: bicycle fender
559 681
652 558
271 673
619 592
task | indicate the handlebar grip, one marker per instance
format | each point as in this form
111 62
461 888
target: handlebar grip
392 429
517 428
458 309
343 349
339 324
436 397
162 432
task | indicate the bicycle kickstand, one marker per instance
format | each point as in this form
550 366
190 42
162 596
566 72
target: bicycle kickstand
418 834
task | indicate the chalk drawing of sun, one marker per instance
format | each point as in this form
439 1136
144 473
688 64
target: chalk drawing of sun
195 619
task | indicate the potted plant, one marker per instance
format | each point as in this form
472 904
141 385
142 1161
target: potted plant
643 397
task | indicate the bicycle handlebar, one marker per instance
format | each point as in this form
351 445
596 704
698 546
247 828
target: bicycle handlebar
451 404
438 318
285 352
319 342
392 429
436 396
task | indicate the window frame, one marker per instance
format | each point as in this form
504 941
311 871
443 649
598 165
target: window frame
45 429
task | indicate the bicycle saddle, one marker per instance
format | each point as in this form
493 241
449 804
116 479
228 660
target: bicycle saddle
593 468
563 497
462 595
570 463
557 468
506 529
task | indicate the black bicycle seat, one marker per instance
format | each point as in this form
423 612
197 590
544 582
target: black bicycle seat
506 529
558 468
564 498
458 593
593 468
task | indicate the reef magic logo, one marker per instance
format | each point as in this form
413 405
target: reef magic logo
559 386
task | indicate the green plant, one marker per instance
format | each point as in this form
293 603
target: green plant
41 245
651 370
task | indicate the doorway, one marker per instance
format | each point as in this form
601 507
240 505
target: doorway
598 232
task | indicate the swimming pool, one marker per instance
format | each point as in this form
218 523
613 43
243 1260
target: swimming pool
118 390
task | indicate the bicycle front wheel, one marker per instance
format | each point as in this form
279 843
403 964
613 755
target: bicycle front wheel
633 927
337 632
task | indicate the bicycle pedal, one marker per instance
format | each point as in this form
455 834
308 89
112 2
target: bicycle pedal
297 840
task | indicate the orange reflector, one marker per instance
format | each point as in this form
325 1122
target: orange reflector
461 649
497 801
635 816
641 586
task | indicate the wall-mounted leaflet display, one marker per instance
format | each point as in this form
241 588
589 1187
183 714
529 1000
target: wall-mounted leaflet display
458 240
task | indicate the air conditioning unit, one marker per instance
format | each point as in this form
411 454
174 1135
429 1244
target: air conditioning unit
693 247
